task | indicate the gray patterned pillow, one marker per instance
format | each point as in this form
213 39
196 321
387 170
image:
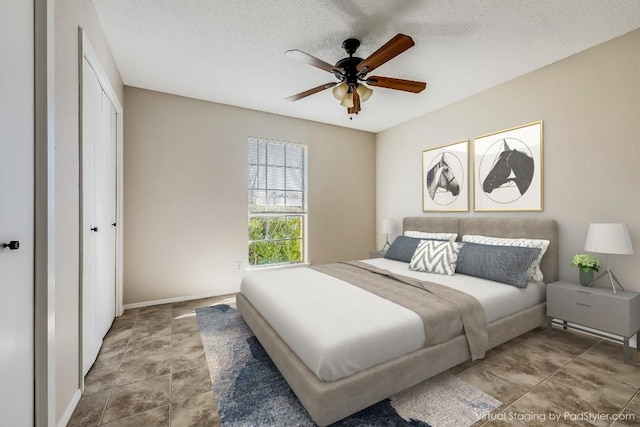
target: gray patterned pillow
437 257
505 264
534 272
402 248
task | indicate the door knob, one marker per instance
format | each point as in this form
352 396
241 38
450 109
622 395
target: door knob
94 229
12 245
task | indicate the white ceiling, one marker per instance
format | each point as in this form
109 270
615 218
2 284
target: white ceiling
232 51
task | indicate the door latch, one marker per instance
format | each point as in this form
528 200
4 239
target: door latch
12 245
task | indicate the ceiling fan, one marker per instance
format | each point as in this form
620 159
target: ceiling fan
352 71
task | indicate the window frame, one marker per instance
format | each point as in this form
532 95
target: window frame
275 213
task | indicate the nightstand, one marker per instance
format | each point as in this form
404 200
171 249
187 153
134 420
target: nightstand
597 308
377 254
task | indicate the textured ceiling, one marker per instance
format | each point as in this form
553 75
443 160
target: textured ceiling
232 51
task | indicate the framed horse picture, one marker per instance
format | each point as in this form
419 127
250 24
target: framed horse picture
445 178
508 170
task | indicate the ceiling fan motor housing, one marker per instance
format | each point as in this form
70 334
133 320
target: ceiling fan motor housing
349 64
350 75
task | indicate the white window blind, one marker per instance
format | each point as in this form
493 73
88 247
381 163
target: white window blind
276 176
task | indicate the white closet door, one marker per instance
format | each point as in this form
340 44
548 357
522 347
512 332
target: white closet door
99 212
105 214
90 96
16 213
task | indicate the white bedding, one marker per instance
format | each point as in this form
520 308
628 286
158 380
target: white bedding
338 329
335 328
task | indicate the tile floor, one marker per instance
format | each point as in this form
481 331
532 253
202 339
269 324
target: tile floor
559 380
151 371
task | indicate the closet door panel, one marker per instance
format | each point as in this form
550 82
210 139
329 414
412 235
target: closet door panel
105 216
91 94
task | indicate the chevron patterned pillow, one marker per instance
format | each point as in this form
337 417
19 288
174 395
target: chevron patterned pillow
433 256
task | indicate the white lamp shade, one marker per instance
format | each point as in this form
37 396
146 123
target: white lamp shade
347 101
364 92
609 238
386 226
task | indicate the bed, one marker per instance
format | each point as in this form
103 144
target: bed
341 392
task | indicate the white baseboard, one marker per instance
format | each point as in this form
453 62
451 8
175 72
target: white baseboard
70 408
178 299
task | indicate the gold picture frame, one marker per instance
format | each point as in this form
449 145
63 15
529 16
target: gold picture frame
508 170
445 178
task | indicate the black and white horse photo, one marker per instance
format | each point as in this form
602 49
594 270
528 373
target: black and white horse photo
510 168
440 178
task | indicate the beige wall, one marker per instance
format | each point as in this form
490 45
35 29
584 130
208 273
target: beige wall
185 172
590 105
69 15
185 192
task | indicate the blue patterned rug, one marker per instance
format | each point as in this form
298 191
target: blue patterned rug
250 391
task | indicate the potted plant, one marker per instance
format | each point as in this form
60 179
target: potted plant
586 264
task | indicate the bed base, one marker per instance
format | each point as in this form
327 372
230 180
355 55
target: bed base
330 401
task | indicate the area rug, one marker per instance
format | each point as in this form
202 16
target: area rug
250 391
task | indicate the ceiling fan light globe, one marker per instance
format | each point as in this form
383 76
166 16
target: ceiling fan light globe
347 101
364 92
340 91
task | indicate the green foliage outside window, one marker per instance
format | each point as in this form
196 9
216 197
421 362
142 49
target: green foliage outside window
275 240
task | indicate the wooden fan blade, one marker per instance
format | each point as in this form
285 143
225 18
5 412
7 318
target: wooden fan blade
312 60
356 104
398 84
389 50
310 91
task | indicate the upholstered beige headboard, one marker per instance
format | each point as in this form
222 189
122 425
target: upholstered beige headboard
531 228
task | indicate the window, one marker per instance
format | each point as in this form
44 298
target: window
277 202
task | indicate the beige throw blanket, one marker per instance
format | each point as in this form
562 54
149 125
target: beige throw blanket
445 312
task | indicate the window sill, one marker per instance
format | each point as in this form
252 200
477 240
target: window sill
276 267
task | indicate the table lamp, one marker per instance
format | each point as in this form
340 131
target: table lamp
386 228
609 238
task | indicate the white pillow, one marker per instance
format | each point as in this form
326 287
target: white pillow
431 236
434 256
534 272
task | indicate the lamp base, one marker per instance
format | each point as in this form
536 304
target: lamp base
386 245
612 279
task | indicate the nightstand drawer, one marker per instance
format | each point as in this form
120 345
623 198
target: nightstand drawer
586 297
594 316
